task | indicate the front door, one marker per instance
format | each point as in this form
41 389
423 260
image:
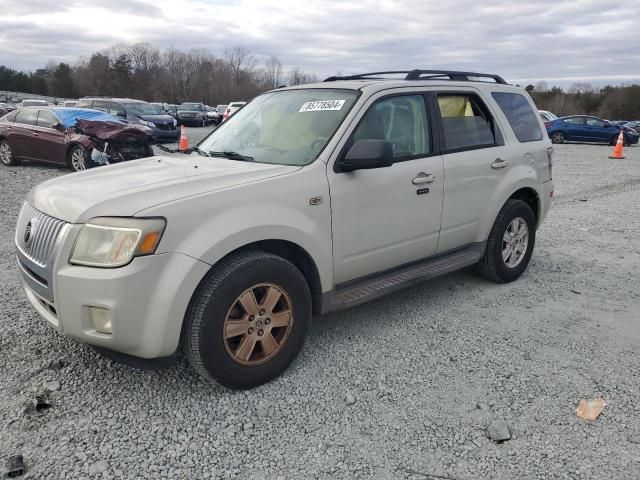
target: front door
48 142
386 217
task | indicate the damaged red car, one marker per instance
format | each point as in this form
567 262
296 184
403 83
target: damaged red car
76 137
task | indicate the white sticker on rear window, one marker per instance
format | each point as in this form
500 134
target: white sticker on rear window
320 105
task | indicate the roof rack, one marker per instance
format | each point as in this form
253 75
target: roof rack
423 75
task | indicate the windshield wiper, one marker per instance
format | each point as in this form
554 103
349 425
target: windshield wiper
199 151
231 156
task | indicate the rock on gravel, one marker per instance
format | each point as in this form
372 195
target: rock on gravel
498 431
100 466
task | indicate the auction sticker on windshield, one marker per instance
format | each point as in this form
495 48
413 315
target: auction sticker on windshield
320 105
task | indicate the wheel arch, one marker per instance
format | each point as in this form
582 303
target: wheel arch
295 254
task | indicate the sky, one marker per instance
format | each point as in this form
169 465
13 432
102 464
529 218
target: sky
559 41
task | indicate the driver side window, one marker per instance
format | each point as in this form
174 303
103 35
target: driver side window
400 120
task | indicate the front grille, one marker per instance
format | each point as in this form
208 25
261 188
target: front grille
166 126
36 234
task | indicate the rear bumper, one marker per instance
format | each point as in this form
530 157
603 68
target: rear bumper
547 196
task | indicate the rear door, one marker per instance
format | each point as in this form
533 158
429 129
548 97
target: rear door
576 128
23 127
475 161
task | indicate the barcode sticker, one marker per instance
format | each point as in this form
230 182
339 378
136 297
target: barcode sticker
320 105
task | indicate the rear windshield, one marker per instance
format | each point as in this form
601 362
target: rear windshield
521 117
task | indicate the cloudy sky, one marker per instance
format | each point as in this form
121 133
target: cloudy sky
554 40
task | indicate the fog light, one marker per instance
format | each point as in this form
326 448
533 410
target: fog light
101 319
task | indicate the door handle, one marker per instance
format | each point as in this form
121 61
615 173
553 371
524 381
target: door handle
35 134
499 163
423 178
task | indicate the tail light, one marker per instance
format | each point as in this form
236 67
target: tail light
550 155
546 124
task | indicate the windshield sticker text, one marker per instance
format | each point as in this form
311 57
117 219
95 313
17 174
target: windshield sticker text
320 105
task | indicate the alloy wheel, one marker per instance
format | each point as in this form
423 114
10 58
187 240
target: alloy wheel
5 153
515 242
558 137
258 324
77 160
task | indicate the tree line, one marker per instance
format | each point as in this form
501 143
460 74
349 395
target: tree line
609 102
144 72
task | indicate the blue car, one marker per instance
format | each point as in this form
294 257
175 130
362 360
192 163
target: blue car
584 128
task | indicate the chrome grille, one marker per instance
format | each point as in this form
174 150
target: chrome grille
36 234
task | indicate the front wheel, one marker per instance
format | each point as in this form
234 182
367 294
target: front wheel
77 158
247 320
510 243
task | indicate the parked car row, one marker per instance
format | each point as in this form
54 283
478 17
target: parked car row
586 128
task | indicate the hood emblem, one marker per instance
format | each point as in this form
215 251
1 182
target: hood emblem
29 231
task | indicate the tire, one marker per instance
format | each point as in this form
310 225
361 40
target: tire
493 265
6 155
217 300
614 140
558 137
77 159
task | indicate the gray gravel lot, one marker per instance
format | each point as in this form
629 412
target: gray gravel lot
403 387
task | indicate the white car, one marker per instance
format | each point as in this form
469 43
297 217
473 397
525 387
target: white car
232 108
547 116
315 198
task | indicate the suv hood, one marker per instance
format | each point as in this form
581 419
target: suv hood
124 189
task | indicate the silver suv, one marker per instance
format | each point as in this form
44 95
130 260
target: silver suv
310 199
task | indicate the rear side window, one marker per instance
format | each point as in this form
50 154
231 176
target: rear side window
101 105
117 109
47 119
400 120
28 116
84 103
520 115
467 122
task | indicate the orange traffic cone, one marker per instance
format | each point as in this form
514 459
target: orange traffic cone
617 151
184 144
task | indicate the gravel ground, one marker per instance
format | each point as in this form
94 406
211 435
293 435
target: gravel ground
403 387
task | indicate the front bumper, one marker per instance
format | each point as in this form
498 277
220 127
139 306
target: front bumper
147 300
160 135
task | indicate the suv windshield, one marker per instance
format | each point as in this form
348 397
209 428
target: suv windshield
190 106
142 109
289 127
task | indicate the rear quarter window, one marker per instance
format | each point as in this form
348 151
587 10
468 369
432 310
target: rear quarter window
521 117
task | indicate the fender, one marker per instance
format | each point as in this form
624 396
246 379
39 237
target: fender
519 177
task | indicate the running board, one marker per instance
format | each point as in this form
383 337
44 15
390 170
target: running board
359 291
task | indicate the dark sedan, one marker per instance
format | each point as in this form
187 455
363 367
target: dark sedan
52 135
584 128
136 112
190 113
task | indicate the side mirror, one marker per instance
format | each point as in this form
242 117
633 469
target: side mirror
59 126
367 154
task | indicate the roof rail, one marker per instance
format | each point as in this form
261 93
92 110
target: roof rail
423 75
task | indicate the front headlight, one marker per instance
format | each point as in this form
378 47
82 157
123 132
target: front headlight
114 242
175 122
147 124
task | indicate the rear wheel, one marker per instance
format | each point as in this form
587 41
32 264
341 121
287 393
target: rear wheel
6 154
247 320
558 137
77 159
510 243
